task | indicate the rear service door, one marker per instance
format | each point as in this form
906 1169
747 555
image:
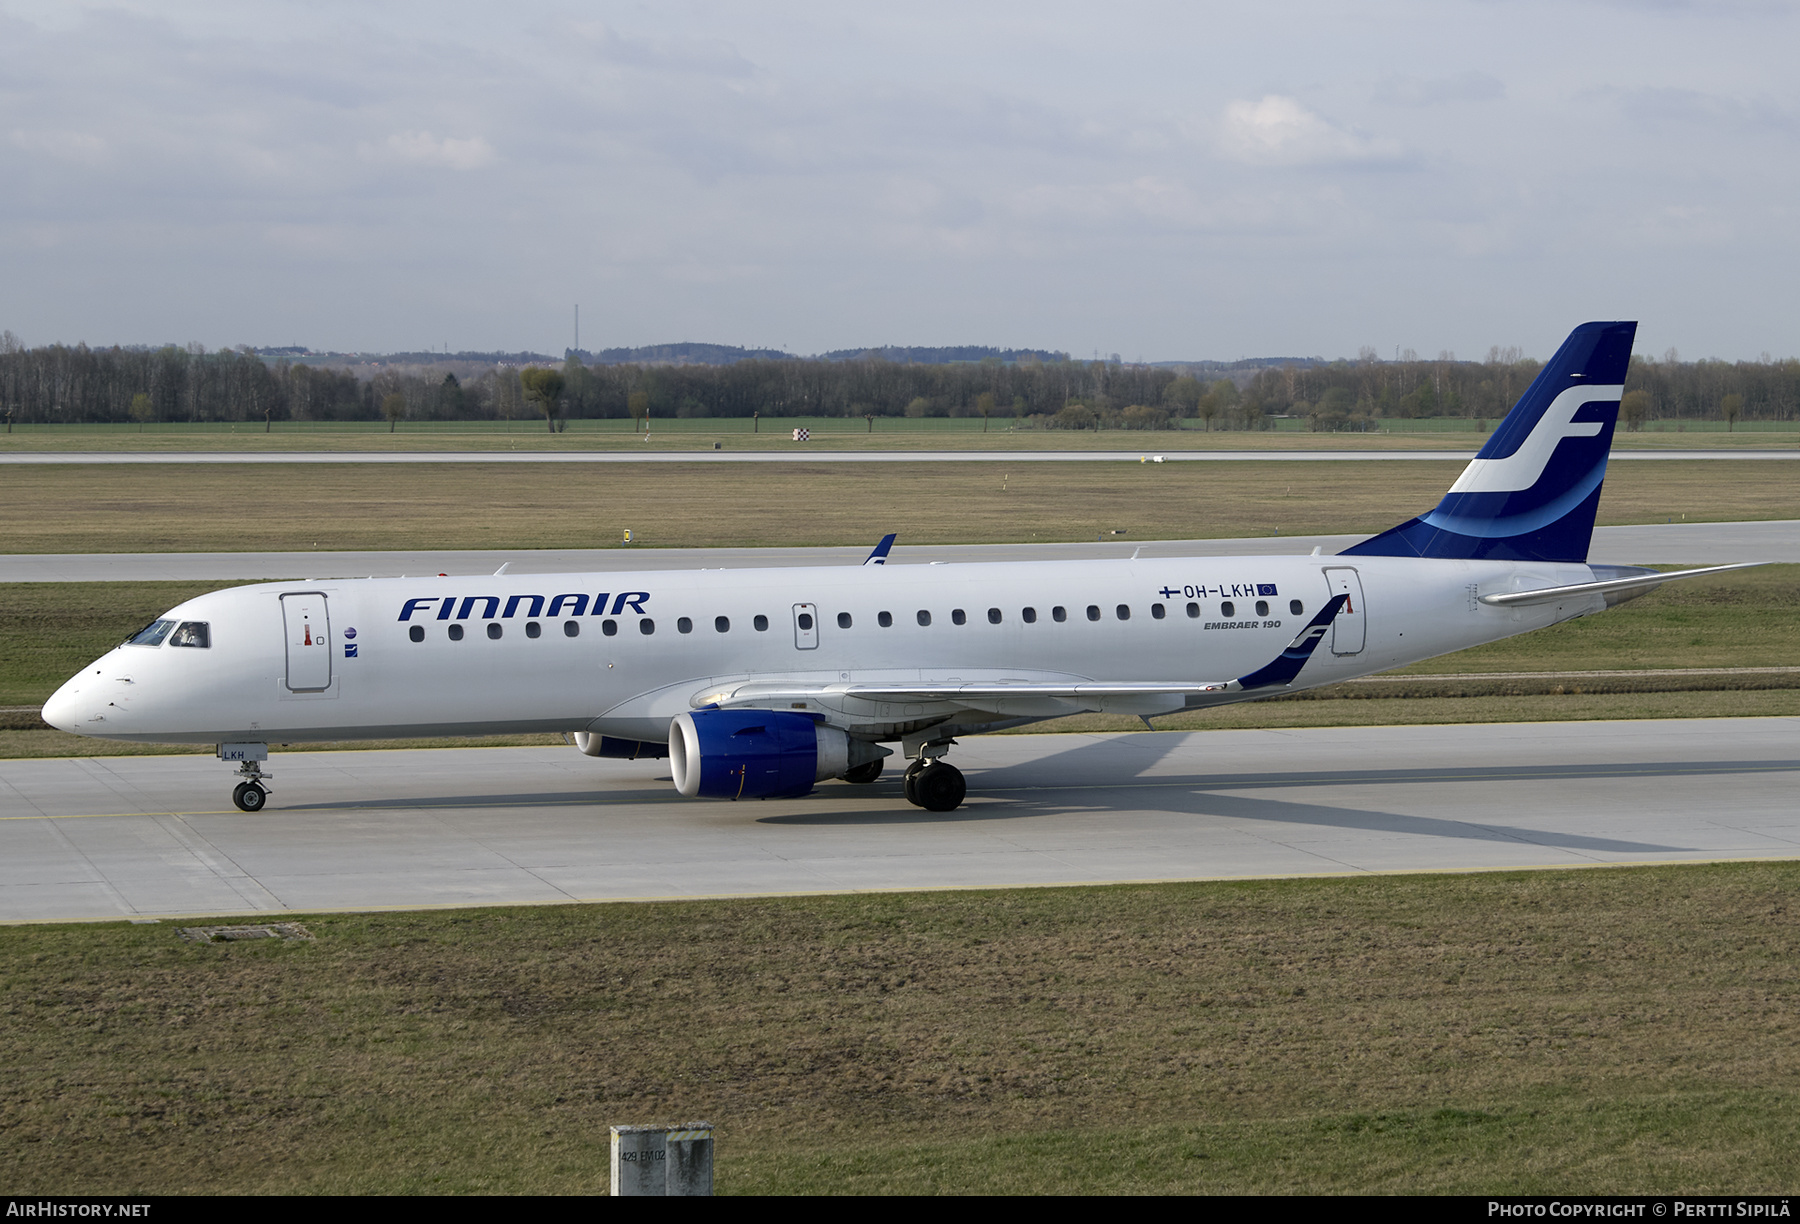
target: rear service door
308 626
1347 629
806 627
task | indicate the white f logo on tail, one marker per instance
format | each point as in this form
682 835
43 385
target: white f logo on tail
1521 469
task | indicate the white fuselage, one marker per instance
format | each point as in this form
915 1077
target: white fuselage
338 659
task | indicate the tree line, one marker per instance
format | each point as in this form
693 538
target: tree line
76 384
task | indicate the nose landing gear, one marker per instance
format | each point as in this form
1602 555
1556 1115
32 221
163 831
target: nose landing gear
251 793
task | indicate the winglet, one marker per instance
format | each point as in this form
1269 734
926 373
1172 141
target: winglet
880 555
1288 665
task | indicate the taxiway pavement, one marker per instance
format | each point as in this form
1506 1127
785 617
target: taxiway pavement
150 837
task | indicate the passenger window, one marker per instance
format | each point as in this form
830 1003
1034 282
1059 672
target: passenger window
1093 611
533 629
646 626
1059 614
924 617
805 620
1193 611
456 633
958 617
1228 609
885 619
761 623
843 620
722 624
993 616
494 630
684 625
152 634
192 633
1158 611
1028 615
1262 607
1123 611
1296 608
416 633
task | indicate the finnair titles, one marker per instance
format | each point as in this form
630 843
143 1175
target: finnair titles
764 683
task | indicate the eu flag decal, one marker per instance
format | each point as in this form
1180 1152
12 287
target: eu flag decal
1266 588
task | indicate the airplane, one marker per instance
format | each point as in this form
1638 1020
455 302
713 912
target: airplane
762 683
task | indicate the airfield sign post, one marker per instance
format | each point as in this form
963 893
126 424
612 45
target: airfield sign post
662 1160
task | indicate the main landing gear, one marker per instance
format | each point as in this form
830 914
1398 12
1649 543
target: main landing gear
934 784
865 773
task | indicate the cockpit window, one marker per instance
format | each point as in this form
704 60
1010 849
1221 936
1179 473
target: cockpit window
152 634
192 633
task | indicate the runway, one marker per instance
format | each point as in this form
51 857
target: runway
1148 452
155 837
1647 544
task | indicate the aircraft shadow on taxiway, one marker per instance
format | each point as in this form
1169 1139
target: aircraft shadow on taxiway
1036 789
1177 797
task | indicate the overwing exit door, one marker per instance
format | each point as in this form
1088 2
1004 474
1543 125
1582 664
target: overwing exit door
806 627
1347 630
308 625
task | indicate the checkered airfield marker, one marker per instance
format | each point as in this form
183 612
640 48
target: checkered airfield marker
801 435
663 1160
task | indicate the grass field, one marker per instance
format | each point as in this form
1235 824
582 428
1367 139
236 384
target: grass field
180 507
831 433
1598 1031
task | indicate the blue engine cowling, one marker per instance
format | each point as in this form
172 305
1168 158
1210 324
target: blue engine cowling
753 754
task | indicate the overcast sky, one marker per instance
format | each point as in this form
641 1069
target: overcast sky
1162 180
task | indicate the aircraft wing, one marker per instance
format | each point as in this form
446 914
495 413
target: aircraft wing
879 555
1009 695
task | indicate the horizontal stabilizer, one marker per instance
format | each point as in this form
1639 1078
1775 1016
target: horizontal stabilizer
1615 586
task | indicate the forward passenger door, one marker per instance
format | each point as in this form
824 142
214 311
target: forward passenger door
308 624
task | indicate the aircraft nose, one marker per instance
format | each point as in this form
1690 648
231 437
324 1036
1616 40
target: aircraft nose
63 710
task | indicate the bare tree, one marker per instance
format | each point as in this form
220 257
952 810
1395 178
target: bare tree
544 388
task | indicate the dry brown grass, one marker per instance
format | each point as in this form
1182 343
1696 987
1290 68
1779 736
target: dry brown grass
1627 1030
178 508
828 433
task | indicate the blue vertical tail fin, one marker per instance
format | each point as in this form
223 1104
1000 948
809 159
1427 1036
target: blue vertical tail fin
1531 492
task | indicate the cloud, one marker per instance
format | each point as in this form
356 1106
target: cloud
1660 108
1279 131
422 148
82 148
1468 86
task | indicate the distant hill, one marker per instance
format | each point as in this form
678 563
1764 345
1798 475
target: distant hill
942 355
428 358
685 353
300 354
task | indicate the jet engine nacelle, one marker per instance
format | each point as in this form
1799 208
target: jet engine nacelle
758 754
625 749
